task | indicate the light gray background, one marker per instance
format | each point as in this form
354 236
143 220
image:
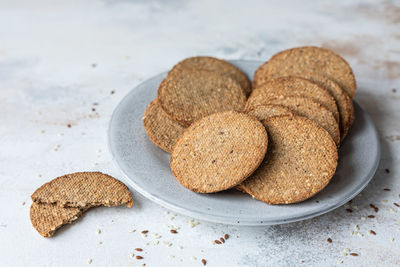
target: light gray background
48 80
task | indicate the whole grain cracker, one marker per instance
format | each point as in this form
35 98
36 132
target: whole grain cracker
300 162
308 108
219 151
47 218
308 59
343 100
295 86
189 95
161 129
219 66
266 111
83 189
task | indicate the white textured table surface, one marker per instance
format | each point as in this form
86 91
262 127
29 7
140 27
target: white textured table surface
59 60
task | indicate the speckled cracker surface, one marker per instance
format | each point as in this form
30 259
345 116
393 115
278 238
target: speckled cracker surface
82 189
343 100
161 129
189 95
293 62
47 218
267 111
293 86
314 111
216 65
300 162
219 151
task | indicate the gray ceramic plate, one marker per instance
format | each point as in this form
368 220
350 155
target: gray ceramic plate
146 168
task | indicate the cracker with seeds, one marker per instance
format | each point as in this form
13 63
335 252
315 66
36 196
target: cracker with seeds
219 66
83 189
308 108
293 62
161 129
189 95
300 162
219 152
266 111
294 86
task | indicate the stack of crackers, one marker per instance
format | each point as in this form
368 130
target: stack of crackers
276 139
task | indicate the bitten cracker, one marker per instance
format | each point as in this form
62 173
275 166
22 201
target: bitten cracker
219 66
308 108
190 95
293 62
83 189
219 151
294 86
161 129
47 218
301 161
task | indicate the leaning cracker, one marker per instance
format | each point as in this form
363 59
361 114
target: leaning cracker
84 189
219 152
308 108
343 101
301 161
189 95
219 66
161 129
47 218
267 111
295 86
293 62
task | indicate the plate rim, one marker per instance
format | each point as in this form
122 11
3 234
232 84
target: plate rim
224 219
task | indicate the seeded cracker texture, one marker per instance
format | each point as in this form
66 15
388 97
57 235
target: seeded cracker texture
190 95
307 108
308 59
219 66
161 129
219 152
267 111
300 162
83 189
47 218
343 100
295 86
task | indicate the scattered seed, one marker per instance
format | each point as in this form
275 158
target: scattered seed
372 232
139 257
217 242
23 203
173 231
349 210
98 231
354 254
329 240
374 207
340 262
156 242
132 230
138 249
180 247
42 131
171 256
193 258
344 254
346 250
386 189
363 218
93 109
90 261
226 236
203 261
222 240
394 90
112 92
356 227
392 239
39 175
371 216
131 255
145 232
384 201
